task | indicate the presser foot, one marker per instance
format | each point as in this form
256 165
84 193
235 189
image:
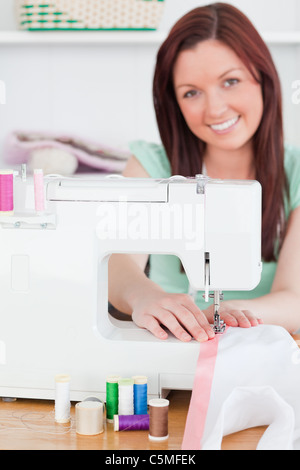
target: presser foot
219 329
219 325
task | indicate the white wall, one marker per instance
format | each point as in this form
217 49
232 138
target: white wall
266 14
104 91
273 15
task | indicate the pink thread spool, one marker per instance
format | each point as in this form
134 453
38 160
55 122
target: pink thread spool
38 177
6 192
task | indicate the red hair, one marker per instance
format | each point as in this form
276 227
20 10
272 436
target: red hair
185 151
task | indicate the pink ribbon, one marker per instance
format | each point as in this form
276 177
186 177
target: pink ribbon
195 423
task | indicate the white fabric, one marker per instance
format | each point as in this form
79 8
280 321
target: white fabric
256 382
255 406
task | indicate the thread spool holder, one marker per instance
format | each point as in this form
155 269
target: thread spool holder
29 221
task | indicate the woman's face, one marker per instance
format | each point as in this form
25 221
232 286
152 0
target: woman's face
220 100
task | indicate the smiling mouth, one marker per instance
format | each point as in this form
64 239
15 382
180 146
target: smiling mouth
225 125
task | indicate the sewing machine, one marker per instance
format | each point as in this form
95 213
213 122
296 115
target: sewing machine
54 284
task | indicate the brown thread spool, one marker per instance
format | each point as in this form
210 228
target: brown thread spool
158 419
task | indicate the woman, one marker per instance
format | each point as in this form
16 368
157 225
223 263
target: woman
218 105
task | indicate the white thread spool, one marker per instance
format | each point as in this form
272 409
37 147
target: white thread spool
62 398
89 418
38 177
126 406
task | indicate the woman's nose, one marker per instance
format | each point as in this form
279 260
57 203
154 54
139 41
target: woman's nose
216 106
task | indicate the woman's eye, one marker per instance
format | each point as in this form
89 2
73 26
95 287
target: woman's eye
191 93
230 82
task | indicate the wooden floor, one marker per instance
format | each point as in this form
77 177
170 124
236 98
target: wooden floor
30 425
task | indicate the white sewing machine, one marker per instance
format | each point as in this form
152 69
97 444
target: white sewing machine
53 278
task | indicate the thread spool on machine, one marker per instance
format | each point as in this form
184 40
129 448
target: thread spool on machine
6 192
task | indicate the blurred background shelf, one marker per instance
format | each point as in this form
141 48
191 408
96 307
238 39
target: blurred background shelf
81 37
117 37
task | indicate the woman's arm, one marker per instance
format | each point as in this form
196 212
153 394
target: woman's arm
133 293
282 306
126 277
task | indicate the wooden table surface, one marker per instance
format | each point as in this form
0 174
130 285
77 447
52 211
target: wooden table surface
30 425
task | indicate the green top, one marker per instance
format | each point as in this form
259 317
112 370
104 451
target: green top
165 269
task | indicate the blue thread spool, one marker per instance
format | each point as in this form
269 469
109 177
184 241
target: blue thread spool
140 391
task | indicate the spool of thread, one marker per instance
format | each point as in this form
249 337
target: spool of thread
140 391
89 418
131 422
62 398
39 196
158 419
6 192
112 397
126 396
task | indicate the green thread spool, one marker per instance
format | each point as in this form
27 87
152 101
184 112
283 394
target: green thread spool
112 397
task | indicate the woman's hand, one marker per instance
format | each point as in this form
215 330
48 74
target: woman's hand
233 315
157 309
177 312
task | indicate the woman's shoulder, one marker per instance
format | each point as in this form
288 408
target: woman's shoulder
153 158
